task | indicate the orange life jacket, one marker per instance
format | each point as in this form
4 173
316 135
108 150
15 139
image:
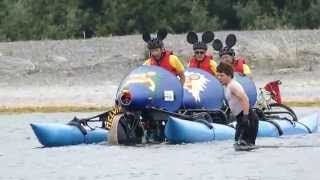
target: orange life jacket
164 62
204 64
238 65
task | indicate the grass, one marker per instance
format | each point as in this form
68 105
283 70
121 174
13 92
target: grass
302 103
51 109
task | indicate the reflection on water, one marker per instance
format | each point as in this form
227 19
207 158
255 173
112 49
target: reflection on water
22 157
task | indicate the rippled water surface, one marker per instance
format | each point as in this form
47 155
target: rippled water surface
21 156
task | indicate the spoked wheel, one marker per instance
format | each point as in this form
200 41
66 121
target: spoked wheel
280 111
125 131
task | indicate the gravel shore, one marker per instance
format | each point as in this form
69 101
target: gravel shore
87 72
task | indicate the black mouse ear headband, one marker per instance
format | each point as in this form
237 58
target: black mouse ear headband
230 42
206 38
161 35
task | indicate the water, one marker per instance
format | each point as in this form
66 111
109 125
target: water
21 157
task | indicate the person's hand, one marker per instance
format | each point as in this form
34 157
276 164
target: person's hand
242 74
245 120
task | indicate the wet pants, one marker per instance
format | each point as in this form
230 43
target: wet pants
248 133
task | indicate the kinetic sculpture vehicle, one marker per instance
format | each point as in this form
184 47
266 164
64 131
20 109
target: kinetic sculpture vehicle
152 107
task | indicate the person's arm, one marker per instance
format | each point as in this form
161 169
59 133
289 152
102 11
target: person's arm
213 67
147 62
242 97
182 77
176 63
247 71
189 61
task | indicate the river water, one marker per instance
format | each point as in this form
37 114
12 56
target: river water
22 157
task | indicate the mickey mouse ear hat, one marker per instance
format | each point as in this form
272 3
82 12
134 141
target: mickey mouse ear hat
207 37
156 42
230 42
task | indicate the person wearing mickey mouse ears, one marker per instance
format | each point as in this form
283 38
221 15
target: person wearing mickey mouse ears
227 55
161 57
201 59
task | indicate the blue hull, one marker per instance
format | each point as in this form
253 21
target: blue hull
176 131
183 131
54 134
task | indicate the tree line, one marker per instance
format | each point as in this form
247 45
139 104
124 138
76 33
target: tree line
61 19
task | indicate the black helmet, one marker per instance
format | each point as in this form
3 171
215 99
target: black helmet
226 50
155 43
200 45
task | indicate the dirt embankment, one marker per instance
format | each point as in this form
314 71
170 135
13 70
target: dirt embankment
87 72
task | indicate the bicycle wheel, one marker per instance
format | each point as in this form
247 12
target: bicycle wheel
280 111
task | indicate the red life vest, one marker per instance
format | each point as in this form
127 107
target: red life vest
204 64
164 62
238 65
